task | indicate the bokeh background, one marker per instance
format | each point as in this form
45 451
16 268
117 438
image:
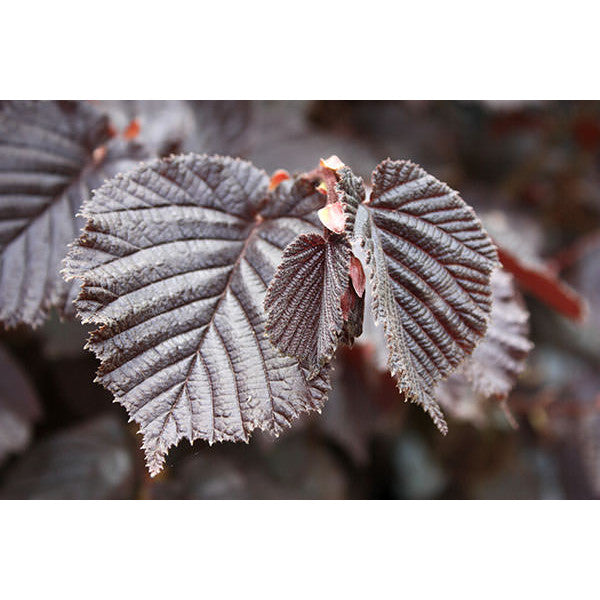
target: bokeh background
532 172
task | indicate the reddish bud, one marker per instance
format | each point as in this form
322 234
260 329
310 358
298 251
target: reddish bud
333 163
357 276
322 188
333 217
132 130
277 177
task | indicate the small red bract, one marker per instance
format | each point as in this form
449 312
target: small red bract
357 275
132 130
332 216
277 177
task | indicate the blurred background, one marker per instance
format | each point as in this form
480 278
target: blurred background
531 170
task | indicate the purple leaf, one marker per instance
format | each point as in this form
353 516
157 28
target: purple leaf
312 303
350 191
305 317
52 154
492 370
496 363
430 262
175 261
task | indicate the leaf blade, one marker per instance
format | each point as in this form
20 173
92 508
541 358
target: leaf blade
493 368
496 363
49 162
430 263
179 294
305 318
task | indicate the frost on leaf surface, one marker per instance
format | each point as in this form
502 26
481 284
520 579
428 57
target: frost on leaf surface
175 261
52 154
304 300
430 264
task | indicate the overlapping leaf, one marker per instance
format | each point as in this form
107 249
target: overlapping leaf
304 300
492 370
350 191
499 359
312 305
52 154
430 263
175 261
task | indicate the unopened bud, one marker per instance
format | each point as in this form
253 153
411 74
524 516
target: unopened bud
333 217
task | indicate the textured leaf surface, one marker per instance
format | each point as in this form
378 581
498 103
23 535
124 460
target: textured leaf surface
304 301
51 156
500 358
175 261
350 191
312 304
19 406
492 370
430 263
